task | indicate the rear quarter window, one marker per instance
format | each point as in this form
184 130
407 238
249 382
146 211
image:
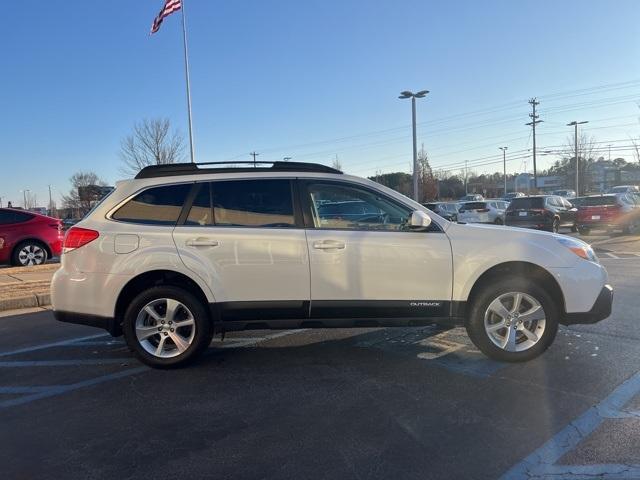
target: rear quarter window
155 206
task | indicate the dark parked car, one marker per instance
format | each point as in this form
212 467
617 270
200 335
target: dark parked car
608 212
28 238
542 212
447 210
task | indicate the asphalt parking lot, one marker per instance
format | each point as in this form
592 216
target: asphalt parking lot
377 403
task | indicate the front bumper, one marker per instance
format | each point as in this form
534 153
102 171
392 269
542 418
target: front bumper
601 309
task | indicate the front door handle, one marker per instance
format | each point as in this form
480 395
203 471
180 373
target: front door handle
328 245
201 242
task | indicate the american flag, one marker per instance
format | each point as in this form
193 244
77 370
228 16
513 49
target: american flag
170 6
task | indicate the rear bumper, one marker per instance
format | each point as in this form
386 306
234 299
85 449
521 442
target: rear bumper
601 309
106 323
541 224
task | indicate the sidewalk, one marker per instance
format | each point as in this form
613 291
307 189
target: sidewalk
25 287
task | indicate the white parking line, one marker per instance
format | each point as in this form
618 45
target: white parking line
32 393
541 464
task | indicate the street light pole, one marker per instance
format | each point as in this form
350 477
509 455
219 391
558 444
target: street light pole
24 198
504 163
575 140
413 96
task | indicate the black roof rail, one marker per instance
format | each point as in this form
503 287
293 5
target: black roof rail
171 169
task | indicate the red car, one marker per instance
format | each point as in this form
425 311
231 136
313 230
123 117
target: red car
608 212
28 238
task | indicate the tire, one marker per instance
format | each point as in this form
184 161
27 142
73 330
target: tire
574 228
584 231
498 221
153 337
630 228
29 253
498 343
555 226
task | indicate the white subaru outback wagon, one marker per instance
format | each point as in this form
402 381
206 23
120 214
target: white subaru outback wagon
184 251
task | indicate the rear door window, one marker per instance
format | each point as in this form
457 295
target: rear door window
253 203
8 217
201 213
155 206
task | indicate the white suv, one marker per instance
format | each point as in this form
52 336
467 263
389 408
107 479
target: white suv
185 251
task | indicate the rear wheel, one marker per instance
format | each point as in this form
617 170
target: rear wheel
29 253
167 327
630 228
574 228
513 320
555 226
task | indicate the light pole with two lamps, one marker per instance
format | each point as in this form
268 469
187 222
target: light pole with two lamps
413 96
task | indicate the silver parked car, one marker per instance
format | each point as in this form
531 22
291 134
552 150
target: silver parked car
488 211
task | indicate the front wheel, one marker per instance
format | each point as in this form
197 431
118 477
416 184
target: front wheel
513 320
167 327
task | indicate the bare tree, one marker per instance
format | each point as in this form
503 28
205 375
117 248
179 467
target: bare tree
336 163
151 143
73 200
567 166
30 199
427 183
635 142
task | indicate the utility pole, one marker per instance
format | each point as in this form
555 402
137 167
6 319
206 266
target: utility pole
575 124
24 198
466 189
413 96
50 202
534 121
254 155
504 163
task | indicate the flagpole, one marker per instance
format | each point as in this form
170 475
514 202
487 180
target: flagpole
186 72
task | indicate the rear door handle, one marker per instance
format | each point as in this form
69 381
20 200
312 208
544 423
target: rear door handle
328 245
201 242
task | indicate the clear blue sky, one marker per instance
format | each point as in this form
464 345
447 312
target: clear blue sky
310 79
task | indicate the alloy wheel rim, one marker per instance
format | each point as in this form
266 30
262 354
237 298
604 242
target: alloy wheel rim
515 321
165 328
31 255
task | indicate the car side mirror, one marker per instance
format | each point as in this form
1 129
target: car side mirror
419 220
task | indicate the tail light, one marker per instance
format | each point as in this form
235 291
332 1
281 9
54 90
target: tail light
77 237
